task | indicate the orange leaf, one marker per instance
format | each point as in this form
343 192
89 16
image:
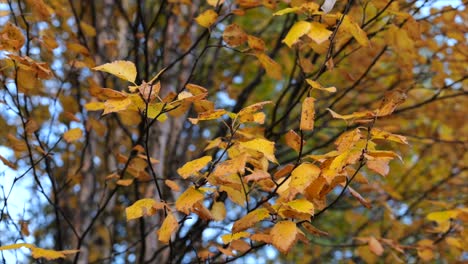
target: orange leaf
173 185
11 38
255 43
308 114
234 36
284 235
293 140
272 68
375 246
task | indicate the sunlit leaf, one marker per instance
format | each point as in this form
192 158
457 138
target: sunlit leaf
168 227
188 199
207 18
94 106
142 207
302 176
301 206
286 11
237 235
261 145
125 70
318 32
116 105
284 235
316 85
40 252
364 114
192 167
250 219
73 135
298 30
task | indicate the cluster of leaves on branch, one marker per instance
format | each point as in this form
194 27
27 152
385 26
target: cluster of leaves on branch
179 131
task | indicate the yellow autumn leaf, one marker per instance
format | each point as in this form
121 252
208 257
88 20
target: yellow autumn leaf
234 35
207 18
168 227
283 235
426 249
253 108
442 216
48 253
298 30
40 252
236 196
286 11
272 68
363 114
218 210
188 199
355 30
116 105
255 43
301 177
141 208
153 110
125 70
192 167
390 102
250 219
124 182
318 86
173 185
293 140
11 38
73 135
318 32
208 115
87 29
94 106
380 134
455 242
261 145
215 2
380 166
16 246
301 206
308 114
230 237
